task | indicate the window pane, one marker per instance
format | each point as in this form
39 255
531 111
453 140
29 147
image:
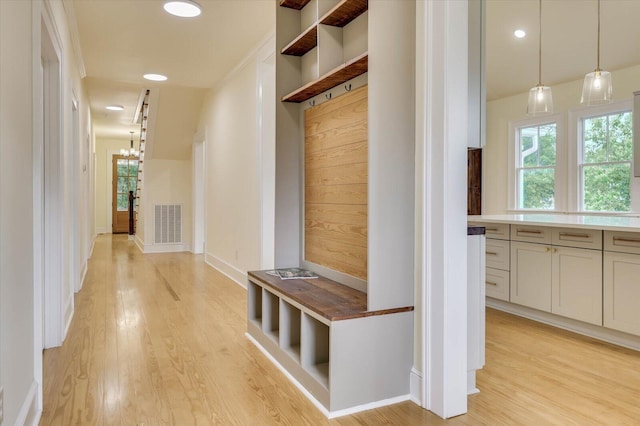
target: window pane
620 139
123 184
529 147
548 145
133 167
132 184
122 167
595 140
606 188
123 202
537 188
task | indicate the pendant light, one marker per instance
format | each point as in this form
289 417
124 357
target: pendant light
130 152
597 88
540 99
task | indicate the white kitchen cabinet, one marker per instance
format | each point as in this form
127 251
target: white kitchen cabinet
531 275
622 292
576 283
497 284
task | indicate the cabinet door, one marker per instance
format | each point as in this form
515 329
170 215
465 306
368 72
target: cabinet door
576 284
622 292
531 275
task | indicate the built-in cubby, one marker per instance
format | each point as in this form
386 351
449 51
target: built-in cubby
254 304
270 315
290 318
315 349
341 353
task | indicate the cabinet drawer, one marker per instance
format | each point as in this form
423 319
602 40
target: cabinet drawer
531 234
581 238
497 254
498 231
624 242
497 284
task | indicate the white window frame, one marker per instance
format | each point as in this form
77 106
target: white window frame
560 169
576 117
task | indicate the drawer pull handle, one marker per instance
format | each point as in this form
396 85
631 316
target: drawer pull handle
626 240
524 231
567 234
490 283
491 229
491 253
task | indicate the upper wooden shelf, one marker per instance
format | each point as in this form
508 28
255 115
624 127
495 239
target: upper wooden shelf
294 4
345 12
327 298
355 67
303 43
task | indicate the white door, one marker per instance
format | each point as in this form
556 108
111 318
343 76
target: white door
531 275
622 292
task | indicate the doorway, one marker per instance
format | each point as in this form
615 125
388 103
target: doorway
125 179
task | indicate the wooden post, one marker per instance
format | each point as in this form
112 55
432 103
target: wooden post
131 219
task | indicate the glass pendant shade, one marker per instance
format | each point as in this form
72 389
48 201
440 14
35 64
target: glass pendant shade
540 100
597 88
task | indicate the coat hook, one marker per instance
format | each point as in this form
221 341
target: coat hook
312 103
347 87
327 95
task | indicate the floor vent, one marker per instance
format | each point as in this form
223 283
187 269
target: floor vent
168 223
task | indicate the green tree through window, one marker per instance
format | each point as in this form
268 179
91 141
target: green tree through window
605 169
535 172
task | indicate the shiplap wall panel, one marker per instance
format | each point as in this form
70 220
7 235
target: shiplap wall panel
336 183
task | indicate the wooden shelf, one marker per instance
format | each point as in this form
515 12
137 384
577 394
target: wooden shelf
345 12
303 43
294 4
355 67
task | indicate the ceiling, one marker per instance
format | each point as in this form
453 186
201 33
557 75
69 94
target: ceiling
569 29
122 40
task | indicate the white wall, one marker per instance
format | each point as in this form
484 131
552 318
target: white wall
20 50
165 182
501 111
105 148
232 181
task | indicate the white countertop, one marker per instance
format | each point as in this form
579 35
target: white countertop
560 220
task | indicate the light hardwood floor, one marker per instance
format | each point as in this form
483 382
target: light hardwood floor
159 339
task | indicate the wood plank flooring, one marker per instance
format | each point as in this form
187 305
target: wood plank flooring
159 339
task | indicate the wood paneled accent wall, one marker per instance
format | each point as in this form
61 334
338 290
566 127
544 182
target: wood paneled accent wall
336 188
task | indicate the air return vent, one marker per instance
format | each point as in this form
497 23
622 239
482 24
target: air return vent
168 223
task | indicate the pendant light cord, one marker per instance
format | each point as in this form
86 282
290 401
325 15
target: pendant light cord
598 57
540 43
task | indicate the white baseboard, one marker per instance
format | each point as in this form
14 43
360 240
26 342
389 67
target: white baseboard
93 244
161 248
29 413
235 274
328 414
597 332
415 386
68 317
83 274
102 231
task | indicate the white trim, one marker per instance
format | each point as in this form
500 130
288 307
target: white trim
328 414
72 25
605 334
162 248
102 230
235 274
198 165
416 386
29 413
139 243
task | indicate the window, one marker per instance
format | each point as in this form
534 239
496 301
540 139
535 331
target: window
536 166
605 153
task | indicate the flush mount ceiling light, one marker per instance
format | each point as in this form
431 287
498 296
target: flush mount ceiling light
540 99
519 33
183 8
597 88
114 107
155 77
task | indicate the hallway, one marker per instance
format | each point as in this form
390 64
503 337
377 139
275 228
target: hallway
159 339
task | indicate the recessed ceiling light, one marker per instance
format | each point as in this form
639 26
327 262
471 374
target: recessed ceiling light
519 33
155 77
183 8
114 107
